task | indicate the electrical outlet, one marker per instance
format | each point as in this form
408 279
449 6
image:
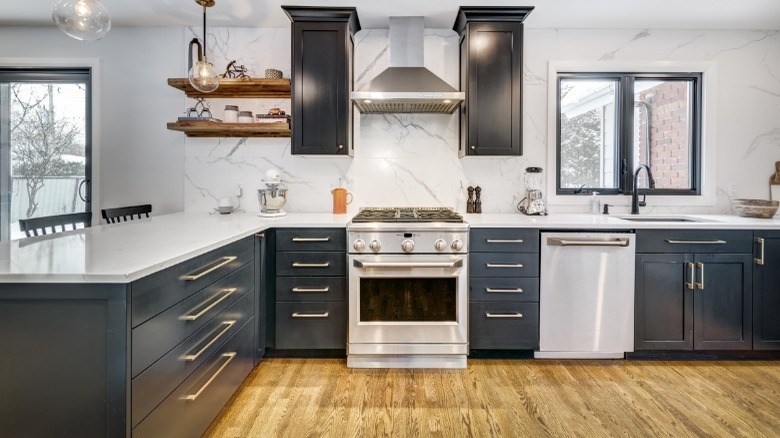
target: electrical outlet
237 192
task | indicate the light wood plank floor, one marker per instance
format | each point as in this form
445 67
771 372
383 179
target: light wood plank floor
511 398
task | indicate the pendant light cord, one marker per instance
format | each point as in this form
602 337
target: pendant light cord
204 32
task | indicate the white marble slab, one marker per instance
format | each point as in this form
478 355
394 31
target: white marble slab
121 253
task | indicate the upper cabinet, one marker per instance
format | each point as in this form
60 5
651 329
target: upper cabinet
322 50
491 73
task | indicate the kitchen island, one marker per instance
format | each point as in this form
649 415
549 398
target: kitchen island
86 316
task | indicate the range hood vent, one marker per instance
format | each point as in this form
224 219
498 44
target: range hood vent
406 86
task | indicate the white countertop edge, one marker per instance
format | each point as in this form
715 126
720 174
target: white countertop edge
182 236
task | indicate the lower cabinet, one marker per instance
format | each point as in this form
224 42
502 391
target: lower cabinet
693 300
766 291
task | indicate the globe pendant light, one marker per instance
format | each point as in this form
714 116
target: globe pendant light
85 20
203 76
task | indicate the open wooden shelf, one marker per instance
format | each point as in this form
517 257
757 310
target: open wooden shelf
194 128
238 88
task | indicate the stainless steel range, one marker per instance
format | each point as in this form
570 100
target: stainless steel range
408 288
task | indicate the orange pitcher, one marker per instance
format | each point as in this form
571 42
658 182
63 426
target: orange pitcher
341 197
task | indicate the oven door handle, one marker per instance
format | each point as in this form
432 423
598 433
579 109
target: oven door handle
407 265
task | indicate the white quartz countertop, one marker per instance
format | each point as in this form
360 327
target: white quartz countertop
121 253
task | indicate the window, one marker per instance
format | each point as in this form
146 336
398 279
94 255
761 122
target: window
45 144
610 123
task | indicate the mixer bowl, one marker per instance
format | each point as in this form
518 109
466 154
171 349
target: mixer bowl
272 198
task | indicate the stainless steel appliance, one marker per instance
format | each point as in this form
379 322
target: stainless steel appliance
533 203
273 197
586 296
408 288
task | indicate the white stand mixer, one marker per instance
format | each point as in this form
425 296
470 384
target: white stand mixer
273 197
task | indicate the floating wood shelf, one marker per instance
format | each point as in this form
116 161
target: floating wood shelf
238 88
217 129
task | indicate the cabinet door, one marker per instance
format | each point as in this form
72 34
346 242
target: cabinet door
322 80
664 302
722 304
494 79
766 292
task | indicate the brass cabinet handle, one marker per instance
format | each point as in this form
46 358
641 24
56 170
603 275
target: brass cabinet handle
507 291
692 267
504 265
310 315
504 240
695 242
504 315
209 269
229 356
700 285
192 357
226 293
311 239
760 261
303 290
310 265
260 235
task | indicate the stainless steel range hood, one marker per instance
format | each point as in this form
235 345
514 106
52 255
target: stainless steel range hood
407 86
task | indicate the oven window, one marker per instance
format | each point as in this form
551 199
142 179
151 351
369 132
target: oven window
408 299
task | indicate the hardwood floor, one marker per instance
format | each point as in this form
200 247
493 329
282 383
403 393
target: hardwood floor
512 398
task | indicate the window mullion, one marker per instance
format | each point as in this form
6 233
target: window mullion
626 117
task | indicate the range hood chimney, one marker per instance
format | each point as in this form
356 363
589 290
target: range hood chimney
406 86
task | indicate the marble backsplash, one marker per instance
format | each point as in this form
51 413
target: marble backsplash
411 159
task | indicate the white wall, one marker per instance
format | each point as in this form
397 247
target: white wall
138 160
399 159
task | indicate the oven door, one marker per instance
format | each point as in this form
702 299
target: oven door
408 304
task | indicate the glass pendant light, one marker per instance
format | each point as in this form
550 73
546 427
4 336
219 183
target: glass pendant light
203 76
85 20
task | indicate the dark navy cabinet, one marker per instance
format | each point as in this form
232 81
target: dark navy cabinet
766 291
693 290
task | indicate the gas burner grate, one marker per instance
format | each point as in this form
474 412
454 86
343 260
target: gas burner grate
407 214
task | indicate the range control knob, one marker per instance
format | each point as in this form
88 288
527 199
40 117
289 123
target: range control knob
359 245
440 245
407 245
456 245
375 246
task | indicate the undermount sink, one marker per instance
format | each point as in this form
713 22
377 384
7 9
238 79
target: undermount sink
640 218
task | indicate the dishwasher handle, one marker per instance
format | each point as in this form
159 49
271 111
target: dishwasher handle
560 241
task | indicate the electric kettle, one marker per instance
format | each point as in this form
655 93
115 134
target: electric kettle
533 203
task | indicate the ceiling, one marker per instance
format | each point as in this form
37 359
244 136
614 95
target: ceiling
592 14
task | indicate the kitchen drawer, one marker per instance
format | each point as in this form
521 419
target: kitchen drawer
694 241
157 292
189 409
311 289
504 326
318 264
503 265
156 382
304 326
152 339
503 289
504 240
311 239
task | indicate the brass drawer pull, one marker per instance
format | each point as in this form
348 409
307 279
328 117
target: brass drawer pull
695 242
760 261
192 357
504 291
260 235
230 357
700 285
692 267
504 240
504 315
310 315
504 265
310 265
226 293
305 290
311 239
209 269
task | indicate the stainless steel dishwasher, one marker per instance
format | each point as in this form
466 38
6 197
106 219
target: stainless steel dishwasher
586 295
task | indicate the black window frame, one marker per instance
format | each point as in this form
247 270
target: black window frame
624 132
